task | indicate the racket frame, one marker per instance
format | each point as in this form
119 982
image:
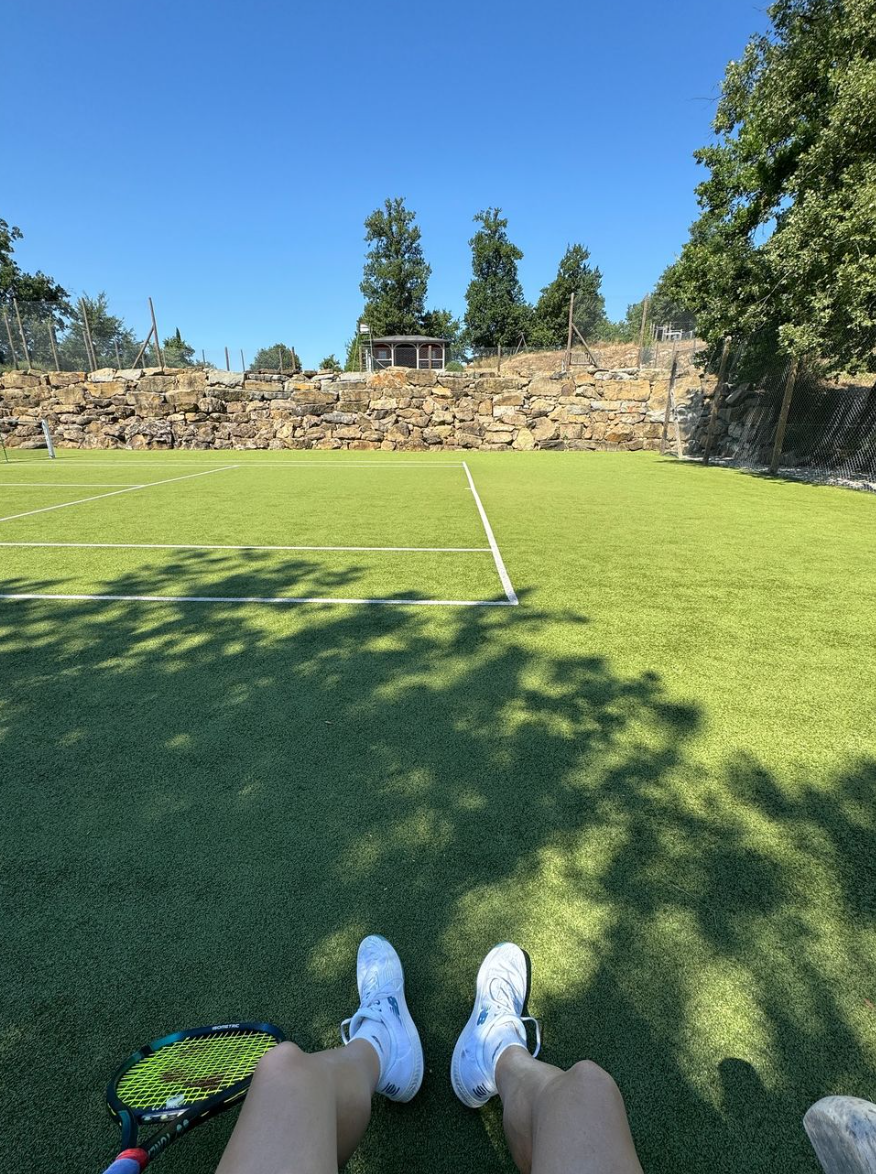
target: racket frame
176 1121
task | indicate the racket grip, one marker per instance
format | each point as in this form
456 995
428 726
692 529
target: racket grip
129 1162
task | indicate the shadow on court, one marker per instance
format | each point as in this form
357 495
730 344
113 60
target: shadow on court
207 806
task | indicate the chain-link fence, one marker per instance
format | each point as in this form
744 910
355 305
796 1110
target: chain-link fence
790 419
86 334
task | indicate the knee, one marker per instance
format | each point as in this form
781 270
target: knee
286 1063
587 1078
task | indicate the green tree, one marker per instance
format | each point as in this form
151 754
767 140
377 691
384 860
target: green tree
330 363
496 311
107 332
275 357
784 251
574 276
177 352
41 301
395 276
441 324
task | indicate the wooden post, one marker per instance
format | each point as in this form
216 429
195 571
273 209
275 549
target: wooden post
669 401
155 334
716 402
783 416
118 356
843 1134
227 360
242 360
86 334
203 358
568 363
646 305
499 359
280 353
11 343
21 332
142 352
54 343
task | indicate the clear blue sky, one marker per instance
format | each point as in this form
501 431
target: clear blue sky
222 156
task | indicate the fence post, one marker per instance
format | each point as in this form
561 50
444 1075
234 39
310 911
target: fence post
646 305
11 343
118 356
21 332
568 362
86 334
672 376
716 402
499 359
783 416
242 360
227 360
54 343
155 331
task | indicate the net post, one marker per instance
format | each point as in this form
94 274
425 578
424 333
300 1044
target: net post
716 402
49 444
787 396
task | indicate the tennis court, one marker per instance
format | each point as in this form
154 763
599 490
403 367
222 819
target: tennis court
406 531
656 772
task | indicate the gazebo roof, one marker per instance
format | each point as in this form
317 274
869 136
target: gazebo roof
411 338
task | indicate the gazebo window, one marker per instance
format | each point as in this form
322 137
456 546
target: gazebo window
405 355
383 354
432 356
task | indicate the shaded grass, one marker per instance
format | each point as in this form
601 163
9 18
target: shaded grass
657 774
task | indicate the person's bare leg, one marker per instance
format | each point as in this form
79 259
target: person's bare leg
560 1122
305 1113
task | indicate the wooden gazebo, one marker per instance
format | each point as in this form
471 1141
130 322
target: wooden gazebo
410 350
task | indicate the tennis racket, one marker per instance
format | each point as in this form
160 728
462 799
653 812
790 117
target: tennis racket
180 1081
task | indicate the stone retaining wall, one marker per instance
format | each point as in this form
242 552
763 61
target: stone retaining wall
393 409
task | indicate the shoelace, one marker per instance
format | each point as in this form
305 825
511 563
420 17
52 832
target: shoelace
511 1017
363 1013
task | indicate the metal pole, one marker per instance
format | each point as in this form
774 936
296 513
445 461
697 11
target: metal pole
203 358
54 345
280 353
118 356
671 388
11 343
646 303
568 362
499 359
242 360
86 332
227 360
21 332
716 402
155 332
783 416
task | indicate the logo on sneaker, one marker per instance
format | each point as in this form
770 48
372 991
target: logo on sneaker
480 1092
391 999
390 1090
482 1018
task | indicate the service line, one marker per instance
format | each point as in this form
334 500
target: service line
251 599
129 489
216 546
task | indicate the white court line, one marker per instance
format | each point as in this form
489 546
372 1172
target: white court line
62 484
255 464
257 599
129 489
214 546
488 530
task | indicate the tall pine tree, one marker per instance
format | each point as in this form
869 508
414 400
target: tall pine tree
574 276
396 275
496 310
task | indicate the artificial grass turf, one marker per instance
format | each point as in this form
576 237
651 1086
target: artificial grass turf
657 774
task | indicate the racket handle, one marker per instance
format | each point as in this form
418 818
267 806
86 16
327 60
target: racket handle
129 1162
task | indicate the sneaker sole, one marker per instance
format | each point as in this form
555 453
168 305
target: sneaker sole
413 1035
455 1080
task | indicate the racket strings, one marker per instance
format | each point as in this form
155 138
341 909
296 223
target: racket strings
192 1070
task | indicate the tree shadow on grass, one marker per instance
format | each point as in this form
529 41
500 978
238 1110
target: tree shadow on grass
207 806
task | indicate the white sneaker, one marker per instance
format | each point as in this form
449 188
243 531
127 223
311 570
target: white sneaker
384 1020
496 1023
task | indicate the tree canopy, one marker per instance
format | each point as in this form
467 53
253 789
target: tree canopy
575 275
784 251
496 311
395 277
276 357
107 332
177 352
